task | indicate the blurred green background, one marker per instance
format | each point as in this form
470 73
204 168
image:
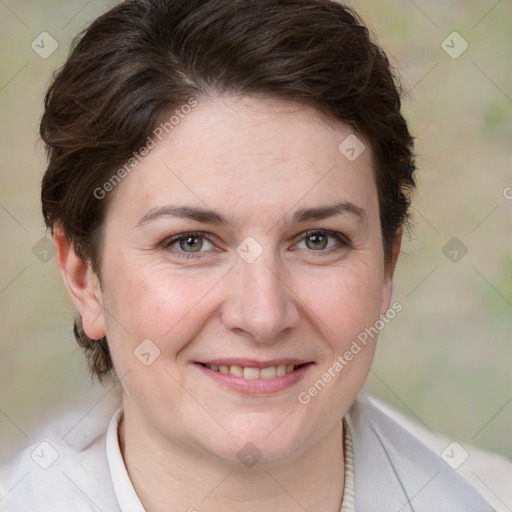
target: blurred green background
447 357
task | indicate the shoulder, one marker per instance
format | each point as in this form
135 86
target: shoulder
487 472
64 469
406 457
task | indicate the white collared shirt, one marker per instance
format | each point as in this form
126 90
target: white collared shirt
123 487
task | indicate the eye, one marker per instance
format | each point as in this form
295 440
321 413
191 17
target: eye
321 240
189 243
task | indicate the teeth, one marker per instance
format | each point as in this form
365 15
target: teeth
268 373
253 373
237 371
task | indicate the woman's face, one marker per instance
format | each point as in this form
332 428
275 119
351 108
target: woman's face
245 242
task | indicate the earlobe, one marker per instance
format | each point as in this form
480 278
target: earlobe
395 251
387 289
81 283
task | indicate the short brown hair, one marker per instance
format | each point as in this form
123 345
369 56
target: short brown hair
144 58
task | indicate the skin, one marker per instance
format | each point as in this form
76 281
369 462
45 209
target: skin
256 162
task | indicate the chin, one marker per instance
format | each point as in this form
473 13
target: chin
265 442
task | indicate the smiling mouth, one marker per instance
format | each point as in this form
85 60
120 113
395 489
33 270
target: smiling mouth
248 372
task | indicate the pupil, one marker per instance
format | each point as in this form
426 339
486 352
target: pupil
317 241
192 244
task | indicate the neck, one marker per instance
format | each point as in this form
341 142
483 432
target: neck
168 475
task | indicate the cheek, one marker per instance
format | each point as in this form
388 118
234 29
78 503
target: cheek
345 310
347 302
168 310
156 303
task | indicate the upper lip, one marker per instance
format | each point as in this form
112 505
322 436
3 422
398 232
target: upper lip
253 363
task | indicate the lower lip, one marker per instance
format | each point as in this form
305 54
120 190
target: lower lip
257 386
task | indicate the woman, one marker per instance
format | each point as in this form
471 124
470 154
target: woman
227 186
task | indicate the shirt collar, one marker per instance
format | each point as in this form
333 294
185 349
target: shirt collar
123 487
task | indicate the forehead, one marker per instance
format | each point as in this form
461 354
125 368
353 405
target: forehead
243 153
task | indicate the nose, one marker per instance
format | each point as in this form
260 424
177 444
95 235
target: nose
260 302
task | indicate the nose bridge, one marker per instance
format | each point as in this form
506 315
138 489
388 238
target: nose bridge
260 301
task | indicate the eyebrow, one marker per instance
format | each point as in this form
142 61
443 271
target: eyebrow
323 212
212 217
185 212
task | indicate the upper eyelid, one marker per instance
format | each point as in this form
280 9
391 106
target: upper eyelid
343 239
189 233
175 238
327 232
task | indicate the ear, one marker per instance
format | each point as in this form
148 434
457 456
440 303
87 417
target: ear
389 270
82 284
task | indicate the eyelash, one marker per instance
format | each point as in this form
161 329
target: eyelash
342 241
183 236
